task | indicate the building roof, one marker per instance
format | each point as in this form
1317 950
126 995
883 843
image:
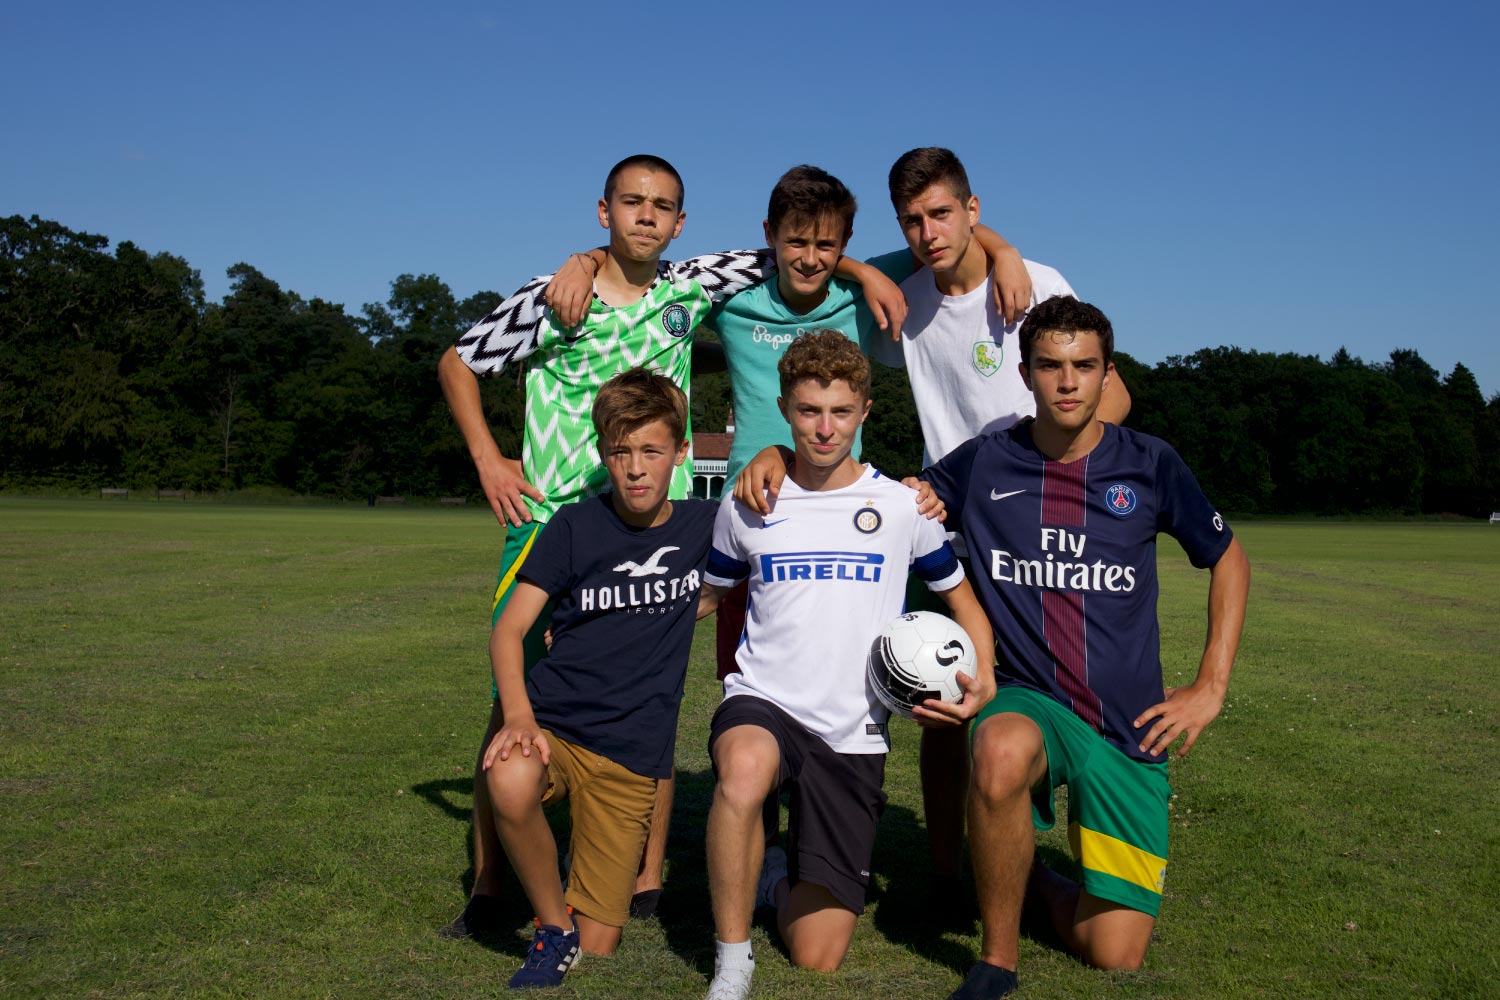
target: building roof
707 445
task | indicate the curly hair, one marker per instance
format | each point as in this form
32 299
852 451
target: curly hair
826 355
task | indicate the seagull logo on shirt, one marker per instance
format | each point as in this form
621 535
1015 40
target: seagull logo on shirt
651 567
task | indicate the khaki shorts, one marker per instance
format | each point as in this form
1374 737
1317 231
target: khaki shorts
610 806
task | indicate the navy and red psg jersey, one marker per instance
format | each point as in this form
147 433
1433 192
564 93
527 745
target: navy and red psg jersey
1066 559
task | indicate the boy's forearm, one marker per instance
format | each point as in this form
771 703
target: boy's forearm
991 242
708 599
1114 402
969 614
853 270
507 662
1228 596
461 390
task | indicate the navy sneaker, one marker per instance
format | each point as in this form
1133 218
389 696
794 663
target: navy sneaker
986 982
553 952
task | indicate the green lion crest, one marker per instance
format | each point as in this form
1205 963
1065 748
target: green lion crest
987 355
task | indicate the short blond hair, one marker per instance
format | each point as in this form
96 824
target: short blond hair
826 355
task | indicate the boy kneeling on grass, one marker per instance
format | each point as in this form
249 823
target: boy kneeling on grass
596 720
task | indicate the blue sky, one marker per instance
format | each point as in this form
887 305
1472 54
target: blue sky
1279 176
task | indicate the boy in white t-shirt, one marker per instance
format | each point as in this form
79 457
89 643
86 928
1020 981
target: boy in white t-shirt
827 571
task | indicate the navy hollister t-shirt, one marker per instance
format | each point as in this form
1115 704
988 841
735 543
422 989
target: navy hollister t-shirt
626 600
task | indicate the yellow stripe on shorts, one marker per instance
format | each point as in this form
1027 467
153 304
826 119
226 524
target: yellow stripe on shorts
510 574
1112 856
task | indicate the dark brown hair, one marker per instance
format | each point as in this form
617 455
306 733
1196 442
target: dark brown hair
918 169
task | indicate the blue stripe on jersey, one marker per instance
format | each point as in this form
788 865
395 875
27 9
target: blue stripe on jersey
725 567
936 564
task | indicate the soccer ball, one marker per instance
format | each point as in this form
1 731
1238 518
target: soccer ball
916 658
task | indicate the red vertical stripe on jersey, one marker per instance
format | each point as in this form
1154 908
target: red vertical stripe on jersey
1064 489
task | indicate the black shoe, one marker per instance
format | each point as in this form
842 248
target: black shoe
985 982
480 916
643 904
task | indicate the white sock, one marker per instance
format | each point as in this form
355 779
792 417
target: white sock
733 955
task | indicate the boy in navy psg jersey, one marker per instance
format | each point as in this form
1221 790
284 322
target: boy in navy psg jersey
1061 515
595 721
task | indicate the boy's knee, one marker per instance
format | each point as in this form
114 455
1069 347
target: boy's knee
513 788
1006 763
818 955
747 770
1116 953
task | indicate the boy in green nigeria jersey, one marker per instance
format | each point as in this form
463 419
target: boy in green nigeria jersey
643 315
640 311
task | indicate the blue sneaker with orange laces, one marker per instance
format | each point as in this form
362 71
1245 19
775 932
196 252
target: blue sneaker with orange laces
552 953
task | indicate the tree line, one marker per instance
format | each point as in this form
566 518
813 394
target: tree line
115 370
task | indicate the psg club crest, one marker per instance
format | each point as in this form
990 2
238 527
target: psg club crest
867 520
987 355
676 320
1120 500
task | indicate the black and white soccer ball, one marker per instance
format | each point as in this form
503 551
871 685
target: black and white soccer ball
916 657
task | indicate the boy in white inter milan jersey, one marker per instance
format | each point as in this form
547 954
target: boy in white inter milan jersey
643 314
827 571
1061 515
595 721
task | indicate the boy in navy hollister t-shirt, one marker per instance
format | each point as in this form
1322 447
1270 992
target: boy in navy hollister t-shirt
596 720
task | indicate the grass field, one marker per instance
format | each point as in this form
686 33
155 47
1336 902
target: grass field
235 746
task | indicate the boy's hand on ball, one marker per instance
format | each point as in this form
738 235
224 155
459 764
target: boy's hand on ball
935 714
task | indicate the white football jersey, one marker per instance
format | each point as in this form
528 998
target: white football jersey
827 571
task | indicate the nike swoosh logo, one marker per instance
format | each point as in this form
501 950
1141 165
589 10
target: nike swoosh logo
1002 496
772 524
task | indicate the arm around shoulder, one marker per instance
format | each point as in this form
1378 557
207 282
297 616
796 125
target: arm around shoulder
1114 403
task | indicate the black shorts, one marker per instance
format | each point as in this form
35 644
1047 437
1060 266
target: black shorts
836 800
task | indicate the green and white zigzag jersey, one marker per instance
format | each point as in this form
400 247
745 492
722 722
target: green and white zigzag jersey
560 455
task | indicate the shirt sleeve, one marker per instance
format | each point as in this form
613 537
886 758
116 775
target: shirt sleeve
932 557
1185 513
874 341
511 332
949 477
727 559
1054 286
897 265
549 563
724 274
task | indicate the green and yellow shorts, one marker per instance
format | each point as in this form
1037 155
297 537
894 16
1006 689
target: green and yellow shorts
518 543
1117 805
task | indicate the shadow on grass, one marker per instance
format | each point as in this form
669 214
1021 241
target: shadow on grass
908 911
454 798
901 902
